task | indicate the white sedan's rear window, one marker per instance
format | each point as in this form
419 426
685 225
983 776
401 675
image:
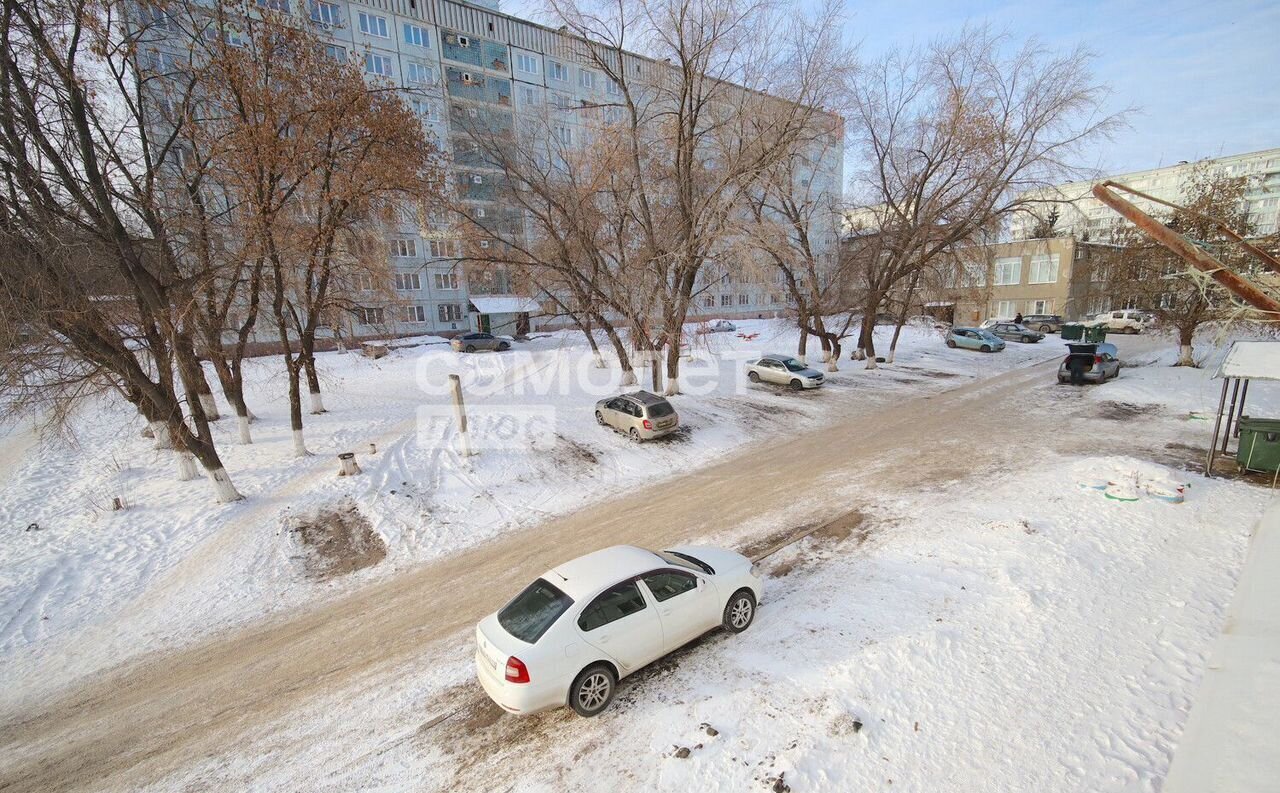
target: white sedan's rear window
533 611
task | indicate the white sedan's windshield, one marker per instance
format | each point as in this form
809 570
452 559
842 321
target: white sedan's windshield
794 365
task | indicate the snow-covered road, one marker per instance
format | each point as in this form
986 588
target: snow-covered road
1046 594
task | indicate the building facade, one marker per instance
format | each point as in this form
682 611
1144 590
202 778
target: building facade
465 64
1085 217
1058 275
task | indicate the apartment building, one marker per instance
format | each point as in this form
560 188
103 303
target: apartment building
1085 217
1058 275
466 64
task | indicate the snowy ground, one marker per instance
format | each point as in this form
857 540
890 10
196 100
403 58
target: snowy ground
1013 630
90 587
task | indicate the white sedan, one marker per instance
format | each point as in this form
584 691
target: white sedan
572 634
783 370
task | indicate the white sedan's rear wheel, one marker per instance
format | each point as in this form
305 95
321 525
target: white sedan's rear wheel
592 691
740 611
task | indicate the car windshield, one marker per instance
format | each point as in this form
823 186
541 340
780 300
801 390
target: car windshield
793 365
534 610
660 409
685 560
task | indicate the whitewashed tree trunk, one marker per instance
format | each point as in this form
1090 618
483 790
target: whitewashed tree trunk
832 366
673 387
889 358
160 432
186 466
600 364
1184 356
243 423
317 402
629 377
299 448
210 406
871 362
223 490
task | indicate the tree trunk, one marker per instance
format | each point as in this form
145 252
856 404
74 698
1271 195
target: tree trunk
232 382
313 384
867 336
189 445
208 405
802 346
673 368
1186 335
620 349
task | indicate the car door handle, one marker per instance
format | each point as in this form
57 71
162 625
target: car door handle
665 612
603 640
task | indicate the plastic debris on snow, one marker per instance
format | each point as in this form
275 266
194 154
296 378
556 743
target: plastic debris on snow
1126 479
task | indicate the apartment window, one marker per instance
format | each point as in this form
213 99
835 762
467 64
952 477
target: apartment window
480 212
415 314
364 282
275 5
587 79
726 300
744 300
450 312
557 71
373 25
417 35
1008 270
1099 273
404 248
775 299
339 54
528 95
370 316
425 109
1004 309
420 73
526 63
975 274
377 64
709 301
1041 306
611 88
326 13
154 18
1044 269
446 280
439 249
408 282
1099 304
563 133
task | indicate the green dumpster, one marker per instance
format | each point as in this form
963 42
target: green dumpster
1072 331
1095 334
1259 448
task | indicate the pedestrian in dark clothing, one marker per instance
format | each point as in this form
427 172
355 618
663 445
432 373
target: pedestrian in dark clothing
1077 365
1018 319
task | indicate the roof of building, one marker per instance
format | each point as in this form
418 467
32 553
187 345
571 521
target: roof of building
584 576
1251 360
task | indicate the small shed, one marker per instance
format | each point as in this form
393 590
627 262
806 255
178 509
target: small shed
1244 362
503 315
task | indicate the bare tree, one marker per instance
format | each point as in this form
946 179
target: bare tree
84 160
316 165
1147 275
953 135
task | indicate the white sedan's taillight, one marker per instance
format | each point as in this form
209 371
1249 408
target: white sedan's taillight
517 672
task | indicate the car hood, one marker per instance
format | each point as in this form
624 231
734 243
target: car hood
807 373
721 560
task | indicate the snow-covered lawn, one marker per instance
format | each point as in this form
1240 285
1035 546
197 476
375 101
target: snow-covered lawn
86 586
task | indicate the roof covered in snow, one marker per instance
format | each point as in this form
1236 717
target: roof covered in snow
1251 360
504 305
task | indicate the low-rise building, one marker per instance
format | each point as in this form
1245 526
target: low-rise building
1057 275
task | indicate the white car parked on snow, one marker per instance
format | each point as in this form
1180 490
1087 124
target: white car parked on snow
572 634
783 370
1124 321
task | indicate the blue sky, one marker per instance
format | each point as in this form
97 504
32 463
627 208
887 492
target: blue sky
1204 76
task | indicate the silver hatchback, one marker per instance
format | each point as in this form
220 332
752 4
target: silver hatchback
641 415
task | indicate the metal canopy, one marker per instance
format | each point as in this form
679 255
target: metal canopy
1251 360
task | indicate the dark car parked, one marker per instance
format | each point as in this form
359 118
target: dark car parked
1013 332
1045 323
